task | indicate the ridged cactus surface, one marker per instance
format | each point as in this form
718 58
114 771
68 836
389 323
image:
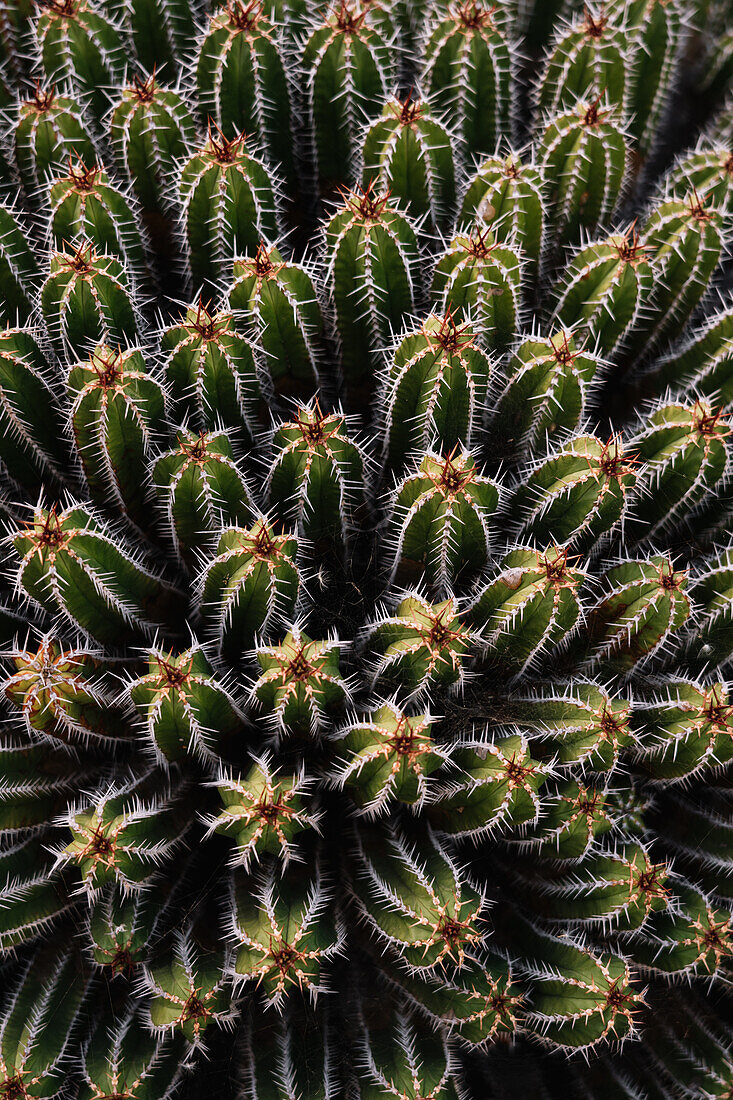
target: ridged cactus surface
366 612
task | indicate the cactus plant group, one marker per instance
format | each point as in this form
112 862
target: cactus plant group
366 624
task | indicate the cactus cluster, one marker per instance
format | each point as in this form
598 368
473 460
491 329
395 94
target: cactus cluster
366 612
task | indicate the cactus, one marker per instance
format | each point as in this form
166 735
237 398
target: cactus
366 627
32 1048
654 36
49 129
61 694
583 158
576 816
125 1056
279 301
86 206
211 371
283 932
242 80
263 812
18 269
529 606
685 457
487 787
507 194
481 279
440 518
227 204
576 495
200 488
117 835
348 69
31 421
683 238
703 361
372 264
640 606
586 59
420 644
400 1056
434 390
117 410
161 31
72 567
249 586
411 155
151 129
316 476
604 291
188 993
388 755
88 299
438 914
300 683
78 43
600 1002
182 708
708 170
120 927
545 394
683 732
467 70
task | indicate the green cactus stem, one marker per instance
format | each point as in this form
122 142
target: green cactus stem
228 204
242 81
411 154
372 262
349 68
434 389
278 300
117 414
249 587
467 72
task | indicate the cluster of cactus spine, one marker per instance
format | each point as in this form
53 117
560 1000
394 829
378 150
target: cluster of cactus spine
366 624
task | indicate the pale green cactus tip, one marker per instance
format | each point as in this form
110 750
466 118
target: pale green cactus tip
264 811
300 685
250 587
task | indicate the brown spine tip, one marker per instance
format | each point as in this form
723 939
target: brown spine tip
144 89
243 16
366 202
594 26
224 150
